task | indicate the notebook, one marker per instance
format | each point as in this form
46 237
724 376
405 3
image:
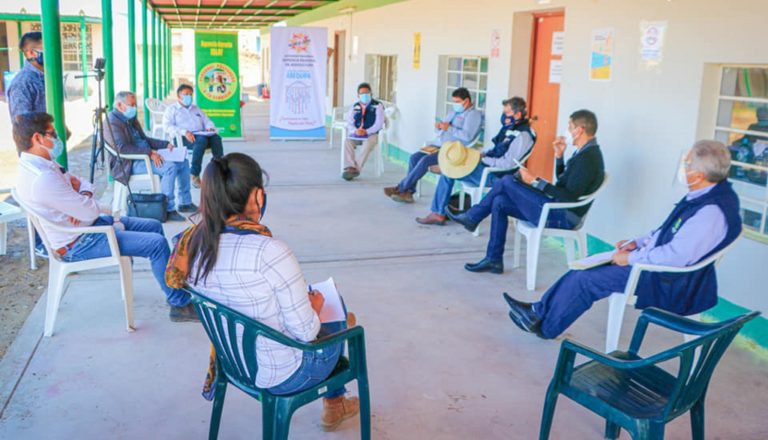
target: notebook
333 310
592 261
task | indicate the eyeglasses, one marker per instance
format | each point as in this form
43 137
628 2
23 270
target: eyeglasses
51 134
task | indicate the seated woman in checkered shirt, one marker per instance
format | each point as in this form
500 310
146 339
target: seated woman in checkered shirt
236 262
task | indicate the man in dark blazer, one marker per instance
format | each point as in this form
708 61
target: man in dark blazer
123 132
523 195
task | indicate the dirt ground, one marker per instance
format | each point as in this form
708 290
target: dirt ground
20 287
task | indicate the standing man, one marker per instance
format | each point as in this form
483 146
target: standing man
364 121
197 130
462 124
524 197
27 91
123 132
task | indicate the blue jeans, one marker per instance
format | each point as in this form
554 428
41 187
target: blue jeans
445 187
198 150
168 174
418 165
316 366
142 238
574 293
509 197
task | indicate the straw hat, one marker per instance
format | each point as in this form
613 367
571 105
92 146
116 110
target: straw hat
456 160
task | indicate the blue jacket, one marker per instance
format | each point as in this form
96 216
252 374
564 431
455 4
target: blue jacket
690 293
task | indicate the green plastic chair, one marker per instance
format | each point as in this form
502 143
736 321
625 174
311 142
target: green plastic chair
634 393
236 364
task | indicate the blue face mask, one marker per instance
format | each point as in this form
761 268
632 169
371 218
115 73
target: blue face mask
130 112
365 98
57 148
186 100
506 121
458 107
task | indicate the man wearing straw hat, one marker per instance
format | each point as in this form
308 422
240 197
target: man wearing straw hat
511 145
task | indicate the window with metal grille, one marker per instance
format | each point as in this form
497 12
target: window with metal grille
71 41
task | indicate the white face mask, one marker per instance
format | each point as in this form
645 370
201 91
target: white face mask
569 138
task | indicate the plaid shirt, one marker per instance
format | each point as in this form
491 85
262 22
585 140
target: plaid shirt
260 277
27 91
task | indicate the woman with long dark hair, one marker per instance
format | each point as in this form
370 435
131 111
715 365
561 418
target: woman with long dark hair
231 257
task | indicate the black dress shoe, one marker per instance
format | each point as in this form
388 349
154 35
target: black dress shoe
188 208
526 327
486 265
174 216
523 316
462 219
515 304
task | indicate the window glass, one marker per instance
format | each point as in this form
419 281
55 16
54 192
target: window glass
747 82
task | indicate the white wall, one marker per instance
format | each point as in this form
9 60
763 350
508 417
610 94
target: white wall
646 117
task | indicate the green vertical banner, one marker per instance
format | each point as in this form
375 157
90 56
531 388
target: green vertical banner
218 80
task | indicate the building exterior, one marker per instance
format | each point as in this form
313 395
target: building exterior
659 74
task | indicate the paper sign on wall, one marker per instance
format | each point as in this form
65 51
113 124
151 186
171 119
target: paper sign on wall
495 43
652 42
601 59
555 71
558 43
416 50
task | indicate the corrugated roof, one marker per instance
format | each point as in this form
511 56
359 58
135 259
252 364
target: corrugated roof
231 14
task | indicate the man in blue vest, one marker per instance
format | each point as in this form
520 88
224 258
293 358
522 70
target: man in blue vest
705 221
364 121
462 123
513 142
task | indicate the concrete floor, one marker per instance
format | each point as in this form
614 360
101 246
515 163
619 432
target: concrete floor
445 362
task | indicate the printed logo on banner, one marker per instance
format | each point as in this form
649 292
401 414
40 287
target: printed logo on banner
217 82
299 42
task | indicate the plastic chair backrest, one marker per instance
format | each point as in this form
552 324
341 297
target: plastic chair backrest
155 105
697 367
233 335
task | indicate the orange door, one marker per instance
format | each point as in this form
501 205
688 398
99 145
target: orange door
544 94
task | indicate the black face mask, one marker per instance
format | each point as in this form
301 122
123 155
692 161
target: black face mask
38 58
263 207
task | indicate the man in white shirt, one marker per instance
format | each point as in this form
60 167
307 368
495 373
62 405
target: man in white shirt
67 200
198 132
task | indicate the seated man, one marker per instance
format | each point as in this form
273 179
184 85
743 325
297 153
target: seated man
123 132
198 132
524 197
364 121
705 221
67 200
514 141
462 124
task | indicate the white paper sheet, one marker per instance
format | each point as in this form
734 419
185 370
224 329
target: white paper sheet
175 155
332 310
592 261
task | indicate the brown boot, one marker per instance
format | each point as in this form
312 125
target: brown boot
391 190
432 219
338 409
351 320
403 197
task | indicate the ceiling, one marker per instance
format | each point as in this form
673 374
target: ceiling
231 14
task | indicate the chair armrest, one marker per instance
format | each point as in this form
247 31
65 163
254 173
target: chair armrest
676 322
335 338
106 229
607 359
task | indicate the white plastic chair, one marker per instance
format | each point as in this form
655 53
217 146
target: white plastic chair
378 150
9 213
59 269
471 144
339 123
534 233
120 194
476 192
618 301
156 110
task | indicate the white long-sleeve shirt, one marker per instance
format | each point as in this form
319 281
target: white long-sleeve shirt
47 189
178 120
260 277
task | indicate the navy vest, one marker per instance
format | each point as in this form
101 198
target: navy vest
369 117
690 293
507 135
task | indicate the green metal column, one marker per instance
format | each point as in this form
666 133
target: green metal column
132 45
169 58
18 35
84 57
154 54
106 39
145 59
54 83
160 58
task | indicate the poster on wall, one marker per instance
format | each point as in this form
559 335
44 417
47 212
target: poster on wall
652 42
416 50
495 43
298 78
218 80
601 59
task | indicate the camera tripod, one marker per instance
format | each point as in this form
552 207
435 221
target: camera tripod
99 113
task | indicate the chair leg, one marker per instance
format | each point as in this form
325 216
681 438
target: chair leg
126 286
612 430
3 238
697 420
282 418
617 302
365 406
582 244
532 260
549 413
570 249
268 417
56 278
31 239
518 246
218 406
